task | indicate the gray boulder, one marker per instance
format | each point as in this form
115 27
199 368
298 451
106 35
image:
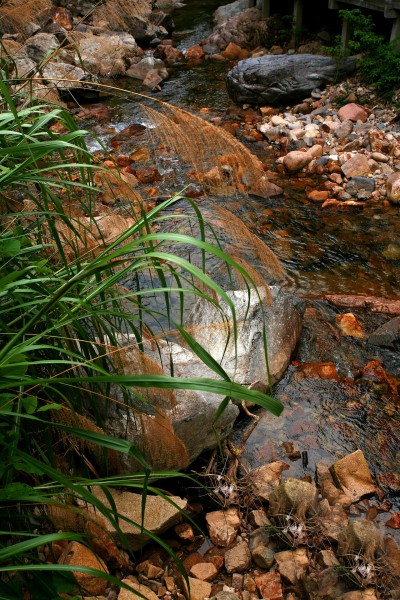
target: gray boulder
282 79
246 362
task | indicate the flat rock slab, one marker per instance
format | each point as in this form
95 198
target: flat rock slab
281 79
352 473
159 514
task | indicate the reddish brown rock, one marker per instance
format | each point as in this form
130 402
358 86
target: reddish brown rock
328 489
204 571
293 564
196 52
349 325
184 531
133 583
322 370
318 195
270 586
356 166
199 590
331 203
235 52
59 15
238 558
77 554
353 112
223 526
353 476
266 478
148 175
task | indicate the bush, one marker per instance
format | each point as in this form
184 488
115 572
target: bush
380 60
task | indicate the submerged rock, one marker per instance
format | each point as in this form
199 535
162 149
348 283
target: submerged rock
281 79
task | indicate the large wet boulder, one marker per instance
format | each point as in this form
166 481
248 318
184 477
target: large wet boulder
244 359
282 79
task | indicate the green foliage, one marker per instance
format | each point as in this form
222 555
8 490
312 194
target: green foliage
57 313
379 63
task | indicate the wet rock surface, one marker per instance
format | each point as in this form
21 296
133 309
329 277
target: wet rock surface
281 79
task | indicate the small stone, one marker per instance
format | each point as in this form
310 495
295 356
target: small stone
270 586
360 184
349 325
356 166
259 537
235 52
327 558
194 53
292 564
170 584
379 157
344 130
332 519
238 558
352 474
296 160
277 120
223 526
237 581
204 571
266 478
226 596
145 591
353 112
249 584
184 531
264 557
78 554
294 496
258 518
199 590
318 195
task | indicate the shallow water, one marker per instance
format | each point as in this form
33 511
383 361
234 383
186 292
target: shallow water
323 252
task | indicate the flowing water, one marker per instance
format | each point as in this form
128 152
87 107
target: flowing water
349 253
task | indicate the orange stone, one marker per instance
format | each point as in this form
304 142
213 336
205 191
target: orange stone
269 585
194 53
318 195
319 370
349 325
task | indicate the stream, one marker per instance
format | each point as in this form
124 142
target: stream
322 252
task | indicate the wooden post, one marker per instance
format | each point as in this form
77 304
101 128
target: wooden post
297 18
395 33
346 33
252 3
266 8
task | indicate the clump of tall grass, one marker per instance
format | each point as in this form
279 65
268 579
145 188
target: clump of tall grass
61 304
